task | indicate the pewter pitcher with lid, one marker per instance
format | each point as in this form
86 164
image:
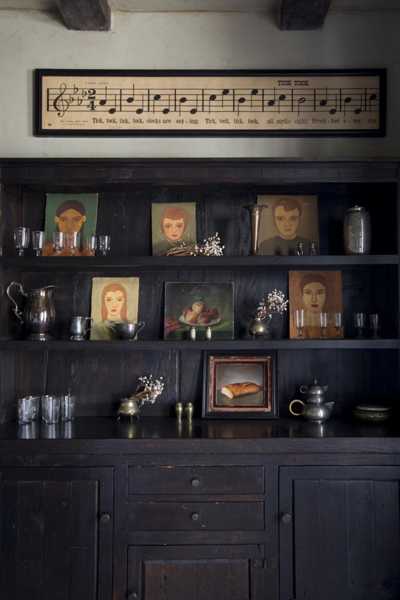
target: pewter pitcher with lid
313 408
38 313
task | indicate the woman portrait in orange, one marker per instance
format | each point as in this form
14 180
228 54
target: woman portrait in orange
114 302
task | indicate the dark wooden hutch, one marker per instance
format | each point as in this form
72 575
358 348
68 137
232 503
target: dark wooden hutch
228 510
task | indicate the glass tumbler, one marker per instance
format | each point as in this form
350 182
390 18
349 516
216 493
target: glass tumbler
360 320
323 321
38 242
91 245
338 318
104 244
299 316
28 409
22 237
72 242
58 242
374 324
67 408
50 409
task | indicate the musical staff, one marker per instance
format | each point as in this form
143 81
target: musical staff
63 100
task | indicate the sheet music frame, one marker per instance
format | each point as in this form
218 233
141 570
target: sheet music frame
41 131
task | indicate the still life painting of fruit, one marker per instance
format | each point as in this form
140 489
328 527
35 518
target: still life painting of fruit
198 305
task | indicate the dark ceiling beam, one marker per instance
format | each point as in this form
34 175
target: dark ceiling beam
85 15
302 14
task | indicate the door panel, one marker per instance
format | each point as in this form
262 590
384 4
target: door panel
343 538
54 542
196 573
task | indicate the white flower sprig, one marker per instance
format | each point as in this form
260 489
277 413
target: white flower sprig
274 302
149 388
210 246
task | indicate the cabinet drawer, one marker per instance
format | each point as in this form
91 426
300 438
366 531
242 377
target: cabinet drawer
164 479
195 516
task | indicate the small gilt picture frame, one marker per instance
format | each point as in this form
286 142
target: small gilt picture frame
239 386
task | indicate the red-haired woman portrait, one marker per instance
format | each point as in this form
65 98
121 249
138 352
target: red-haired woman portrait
171 225
113 299
114 302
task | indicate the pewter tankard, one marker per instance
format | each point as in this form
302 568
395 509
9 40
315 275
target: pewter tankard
38 313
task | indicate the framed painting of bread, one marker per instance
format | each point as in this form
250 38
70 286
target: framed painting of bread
240 386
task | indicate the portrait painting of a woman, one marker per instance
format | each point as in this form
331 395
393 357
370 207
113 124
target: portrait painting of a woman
312 294
113 299
114 302
172 224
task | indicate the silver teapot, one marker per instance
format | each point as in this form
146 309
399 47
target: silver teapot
38 313
313 408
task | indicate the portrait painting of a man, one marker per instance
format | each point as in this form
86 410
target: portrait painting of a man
286 221
113 299
70 213
171 225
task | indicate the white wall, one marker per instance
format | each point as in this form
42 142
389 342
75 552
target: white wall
30 40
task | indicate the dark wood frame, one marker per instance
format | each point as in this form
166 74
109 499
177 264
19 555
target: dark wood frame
210 362
40 131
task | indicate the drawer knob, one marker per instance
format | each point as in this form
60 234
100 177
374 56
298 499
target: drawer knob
286 518
195 482
133 596
195 516
105 518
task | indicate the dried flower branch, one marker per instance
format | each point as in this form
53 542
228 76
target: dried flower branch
149 389
273 302
210 246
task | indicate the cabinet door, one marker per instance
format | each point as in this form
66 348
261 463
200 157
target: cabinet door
196 573
340 533
56 534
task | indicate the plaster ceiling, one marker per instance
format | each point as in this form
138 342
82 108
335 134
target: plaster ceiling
208 5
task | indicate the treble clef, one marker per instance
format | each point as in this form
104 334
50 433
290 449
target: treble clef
60 103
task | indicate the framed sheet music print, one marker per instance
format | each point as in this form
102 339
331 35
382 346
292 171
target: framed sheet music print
210 103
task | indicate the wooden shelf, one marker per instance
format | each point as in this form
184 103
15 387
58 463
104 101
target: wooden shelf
216 345
119 263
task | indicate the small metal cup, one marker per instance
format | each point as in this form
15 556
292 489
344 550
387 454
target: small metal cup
67 407
79 328
50 409
28 409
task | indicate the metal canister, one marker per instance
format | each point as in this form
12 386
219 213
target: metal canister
357 231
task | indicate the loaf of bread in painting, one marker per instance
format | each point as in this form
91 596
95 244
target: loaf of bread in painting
234 390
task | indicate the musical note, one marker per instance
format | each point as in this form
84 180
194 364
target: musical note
240 101
130 99
103 101
300 101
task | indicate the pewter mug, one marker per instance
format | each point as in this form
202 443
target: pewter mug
38 314
79 328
